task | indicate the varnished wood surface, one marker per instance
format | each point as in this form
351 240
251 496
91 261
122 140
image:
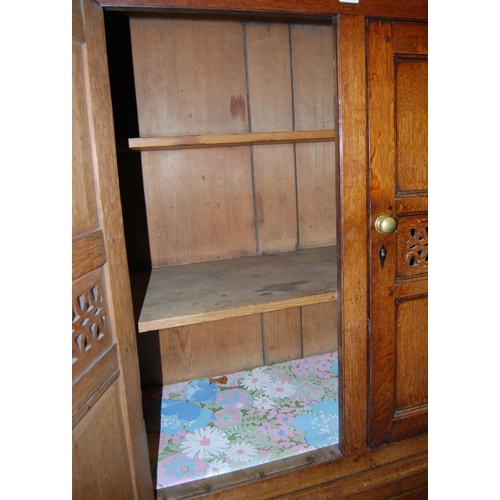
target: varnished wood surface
106 387
255 138
381 8
351 232
88 253
101 468
209 291
397 65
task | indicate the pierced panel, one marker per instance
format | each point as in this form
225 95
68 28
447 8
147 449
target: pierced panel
413 257
90 332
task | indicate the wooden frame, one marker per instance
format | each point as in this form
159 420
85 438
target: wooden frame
353 221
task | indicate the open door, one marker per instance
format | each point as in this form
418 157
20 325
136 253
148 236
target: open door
397 106
109 440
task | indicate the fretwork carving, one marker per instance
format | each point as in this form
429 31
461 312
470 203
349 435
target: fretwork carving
413 242
89 329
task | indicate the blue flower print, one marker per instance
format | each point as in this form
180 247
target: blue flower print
178 414
322 426
335 367
201 391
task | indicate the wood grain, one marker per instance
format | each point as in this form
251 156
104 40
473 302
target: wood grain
282 335
417 9
313 101
319 328
120 314
411 125
398 142
215 290
220 140
189 76
411 353
102 471
84 203
270 97
88 253
351 232
199 205
210 349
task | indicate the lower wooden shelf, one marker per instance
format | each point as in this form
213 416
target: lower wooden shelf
209 291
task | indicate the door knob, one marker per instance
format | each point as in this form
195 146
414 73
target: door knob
385 224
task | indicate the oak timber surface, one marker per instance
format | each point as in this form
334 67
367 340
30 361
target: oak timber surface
218 140
208 291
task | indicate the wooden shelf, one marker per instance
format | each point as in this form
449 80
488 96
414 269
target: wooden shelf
219 140
209 291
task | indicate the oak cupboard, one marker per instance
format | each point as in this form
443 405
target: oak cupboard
280 160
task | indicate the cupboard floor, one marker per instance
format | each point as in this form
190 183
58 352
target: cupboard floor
205 427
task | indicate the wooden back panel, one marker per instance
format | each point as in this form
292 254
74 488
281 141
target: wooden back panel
219 77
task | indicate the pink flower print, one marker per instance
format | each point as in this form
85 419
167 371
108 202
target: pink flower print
179 437
164 438
233 399
283 418
265 429
227 418
281 433
300 371
179 468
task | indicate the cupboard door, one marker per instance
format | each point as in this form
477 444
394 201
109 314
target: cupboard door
397 107
109 439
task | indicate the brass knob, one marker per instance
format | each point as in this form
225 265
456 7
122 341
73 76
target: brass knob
385 224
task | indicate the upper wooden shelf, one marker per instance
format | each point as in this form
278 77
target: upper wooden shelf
219 140
209 291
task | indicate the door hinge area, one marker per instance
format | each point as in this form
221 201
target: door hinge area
369 328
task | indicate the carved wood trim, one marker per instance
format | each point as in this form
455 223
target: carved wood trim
90 331
412 246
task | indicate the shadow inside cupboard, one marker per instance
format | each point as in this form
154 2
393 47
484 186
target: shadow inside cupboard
227 167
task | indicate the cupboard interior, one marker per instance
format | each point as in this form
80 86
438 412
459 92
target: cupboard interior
227 167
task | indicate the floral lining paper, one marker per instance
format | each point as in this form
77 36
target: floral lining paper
203 427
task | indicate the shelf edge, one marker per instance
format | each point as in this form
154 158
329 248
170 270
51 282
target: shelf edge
224 140
246 310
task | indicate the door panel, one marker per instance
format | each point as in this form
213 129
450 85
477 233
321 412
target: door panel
109 439
397 110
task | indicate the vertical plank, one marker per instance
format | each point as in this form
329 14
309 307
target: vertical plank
314 99
319 328
316 194
313 76
270 97
189 76
199 205
210 349
275 198
351 232
282 335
